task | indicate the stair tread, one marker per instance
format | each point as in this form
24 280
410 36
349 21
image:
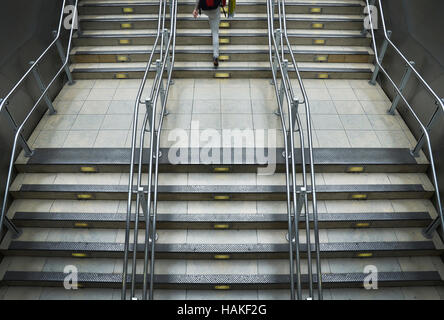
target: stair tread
84 156
226 65
332 279
206 31
239 2
238 16
223 48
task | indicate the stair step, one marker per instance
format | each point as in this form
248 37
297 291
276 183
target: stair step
221 221
222 251
235 36
240 20
144 7
335 280
111 54
105 160
134 70
221 192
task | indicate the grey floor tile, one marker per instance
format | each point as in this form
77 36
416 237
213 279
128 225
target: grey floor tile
102 94
206 106
342 94
363 139
355 122
320 107
81 139
236 106
88 122
384 122
348 107
123 107
237 121
326 122
117 122
95 107
59 122
332 139
207 121
111 139
50 139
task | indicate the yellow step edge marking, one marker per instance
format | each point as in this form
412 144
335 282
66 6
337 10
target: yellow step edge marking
126 25
128 10
221 197
78 255
222 75
221 169
87 169
362 225
221 226
224 40
123 58
84 196
221 256
222 287
319 41
321 58
355 169
364 255
317 25
124 41
81 225
121 76
322 76
224 58
315 10
359 196
224 25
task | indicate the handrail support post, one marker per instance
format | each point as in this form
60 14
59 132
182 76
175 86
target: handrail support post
40 84
405 79
421 141
21 140
380 58
63 57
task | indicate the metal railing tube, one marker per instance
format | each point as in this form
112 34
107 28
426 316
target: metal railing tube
159 131
132 162
28 116
415 116
272 43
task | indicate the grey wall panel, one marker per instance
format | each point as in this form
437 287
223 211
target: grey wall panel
417 31
25 31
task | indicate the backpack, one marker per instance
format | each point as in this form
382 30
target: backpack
211 4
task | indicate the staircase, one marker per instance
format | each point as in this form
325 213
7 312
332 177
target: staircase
222 227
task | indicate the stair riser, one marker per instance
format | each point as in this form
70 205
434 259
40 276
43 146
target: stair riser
211 256
206 40
211 197
211 73
214 286
235 57
211 225
124 168
240 8
260 23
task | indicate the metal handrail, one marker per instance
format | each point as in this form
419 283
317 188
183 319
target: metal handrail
425 138
300 198
19 129
165 62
